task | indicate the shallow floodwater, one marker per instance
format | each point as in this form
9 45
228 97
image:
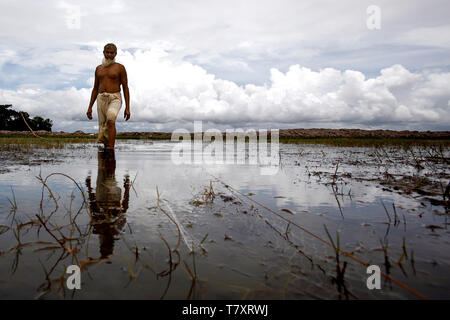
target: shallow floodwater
142 227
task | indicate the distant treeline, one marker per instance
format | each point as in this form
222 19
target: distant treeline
11 120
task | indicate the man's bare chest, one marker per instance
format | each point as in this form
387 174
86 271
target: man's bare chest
109 74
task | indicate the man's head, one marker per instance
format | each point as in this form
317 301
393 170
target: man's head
110 52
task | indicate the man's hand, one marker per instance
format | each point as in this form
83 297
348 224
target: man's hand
89 114
126 114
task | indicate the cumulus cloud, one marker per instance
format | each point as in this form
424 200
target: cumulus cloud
236 40
167 89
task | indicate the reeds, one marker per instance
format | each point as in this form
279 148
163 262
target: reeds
207 196
67 241
366 142
21 143
340 271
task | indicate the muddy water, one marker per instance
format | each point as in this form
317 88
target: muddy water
142 227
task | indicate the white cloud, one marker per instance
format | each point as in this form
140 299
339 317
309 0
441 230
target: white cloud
429 36
166 89
233 62
64 104
245 36
72 15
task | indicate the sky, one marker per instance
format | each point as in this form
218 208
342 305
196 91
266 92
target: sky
259 64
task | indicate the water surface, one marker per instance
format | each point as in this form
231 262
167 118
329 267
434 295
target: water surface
143 227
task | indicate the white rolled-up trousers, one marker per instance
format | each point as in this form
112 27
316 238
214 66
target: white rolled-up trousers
108 107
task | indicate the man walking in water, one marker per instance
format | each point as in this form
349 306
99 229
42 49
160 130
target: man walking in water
108 78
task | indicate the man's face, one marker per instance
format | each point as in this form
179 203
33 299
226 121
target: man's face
109 53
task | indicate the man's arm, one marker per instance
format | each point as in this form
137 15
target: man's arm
93 96
126 93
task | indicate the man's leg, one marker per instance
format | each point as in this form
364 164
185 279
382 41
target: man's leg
111 115
111 134
101 105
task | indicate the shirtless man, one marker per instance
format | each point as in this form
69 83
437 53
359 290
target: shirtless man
108 78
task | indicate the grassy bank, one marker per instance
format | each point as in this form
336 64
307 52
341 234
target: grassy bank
19 142
59 141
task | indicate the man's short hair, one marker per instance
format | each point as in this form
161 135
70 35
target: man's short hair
110 45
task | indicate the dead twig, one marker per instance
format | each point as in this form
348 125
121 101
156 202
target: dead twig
34 134
171 219
60 242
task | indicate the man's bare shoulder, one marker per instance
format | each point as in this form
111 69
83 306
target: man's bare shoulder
121 66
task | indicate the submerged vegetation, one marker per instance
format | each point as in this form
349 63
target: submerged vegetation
367 142
208 237
27 139
18 142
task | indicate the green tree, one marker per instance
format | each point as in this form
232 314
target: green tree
11 120
38 123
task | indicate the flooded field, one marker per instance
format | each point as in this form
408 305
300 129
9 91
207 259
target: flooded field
140 226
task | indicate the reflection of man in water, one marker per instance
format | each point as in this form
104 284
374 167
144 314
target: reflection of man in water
106 204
